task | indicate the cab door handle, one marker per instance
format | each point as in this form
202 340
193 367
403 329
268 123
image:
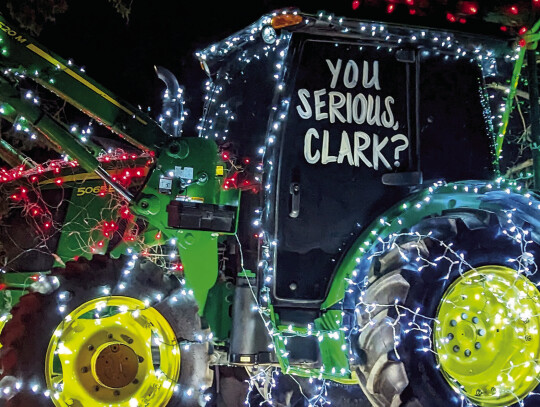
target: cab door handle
294 190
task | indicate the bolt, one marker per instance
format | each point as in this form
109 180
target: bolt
481 332
475 320
90 348
127 339
464 316
136 381
453 322
174 148
477 345
145 204
96 388
84 369
456 348
141 359
116 393
110 336
467 352
203 177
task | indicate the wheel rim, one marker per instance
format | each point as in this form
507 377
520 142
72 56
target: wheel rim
486 338
112 350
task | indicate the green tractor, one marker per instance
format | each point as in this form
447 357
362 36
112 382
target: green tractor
340 221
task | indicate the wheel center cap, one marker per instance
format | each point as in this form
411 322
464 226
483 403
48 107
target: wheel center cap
116 366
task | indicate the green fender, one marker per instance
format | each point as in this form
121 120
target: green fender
406 214
329 328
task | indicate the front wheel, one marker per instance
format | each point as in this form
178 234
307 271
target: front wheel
112 333
450 314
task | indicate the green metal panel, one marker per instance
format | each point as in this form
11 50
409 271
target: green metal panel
81 230
193 160
188 169
198 251
218 310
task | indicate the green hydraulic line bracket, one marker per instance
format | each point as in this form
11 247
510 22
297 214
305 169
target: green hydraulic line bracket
197 251
531 37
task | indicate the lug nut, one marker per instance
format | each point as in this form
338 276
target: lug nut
141 359
467 352
90 348
96 388
481 332
475 320
453 322
464 316
450 336
456 348
477 345
116 393
84 369
136 381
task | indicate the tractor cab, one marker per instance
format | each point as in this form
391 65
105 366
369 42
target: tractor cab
352 116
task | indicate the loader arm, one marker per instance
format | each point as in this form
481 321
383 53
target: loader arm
21 54
183 198
57 132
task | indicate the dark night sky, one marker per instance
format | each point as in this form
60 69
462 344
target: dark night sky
121 55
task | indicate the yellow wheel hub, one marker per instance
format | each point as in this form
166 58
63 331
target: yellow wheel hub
487 335
115 366
112 351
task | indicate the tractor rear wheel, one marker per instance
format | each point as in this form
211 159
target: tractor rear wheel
109 334
450 314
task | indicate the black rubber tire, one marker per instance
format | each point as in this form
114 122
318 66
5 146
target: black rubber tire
26 336
412 379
